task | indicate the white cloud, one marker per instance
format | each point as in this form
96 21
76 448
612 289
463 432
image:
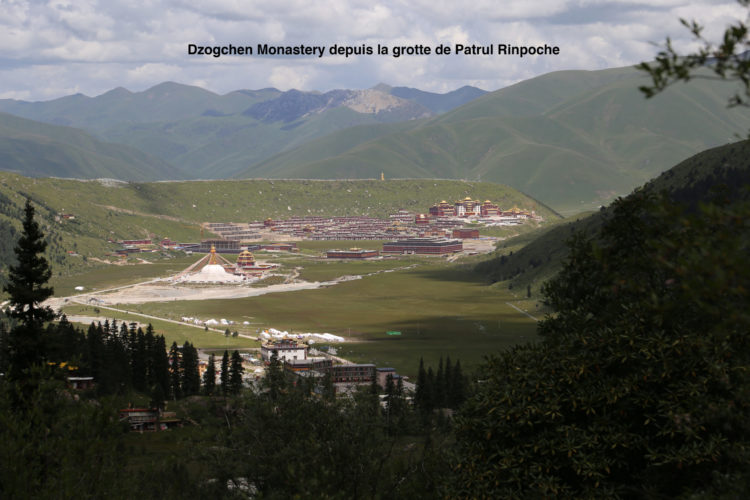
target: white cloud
91 46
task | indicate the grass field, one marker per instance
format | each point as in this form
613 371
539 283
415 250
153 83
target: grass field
440 309
172 332
113 275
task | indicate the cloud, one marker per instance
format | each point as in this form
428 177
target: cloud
90 46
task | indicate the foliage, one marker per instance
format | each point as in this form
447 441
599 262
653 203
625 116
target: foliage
640 387
729 60
224 375
445 389
55 446
298 445
235 373
209 376
27 289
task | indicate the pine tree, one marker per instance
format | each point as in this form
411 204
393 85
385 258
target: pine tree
209 376
191 382
175 380
235 373
160 384
448 387
439 389
27 280
421 397
458 386
27 289
224 375
275 380
138 360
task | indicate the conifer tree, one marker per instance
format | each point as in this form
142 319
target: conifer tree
235 373
224 375
439 388
138 361
275 377
27 280
209 376
160 383
448 385
27 289
175 380
421 397
191 381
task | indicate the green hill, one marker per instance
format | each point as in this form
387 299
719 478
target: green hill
118 210
531 259
574 139
38 149
206 135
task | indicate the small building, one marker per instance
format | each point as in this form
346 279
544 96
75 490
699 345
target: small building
352 373
352 253
304 365
245 259
220 246
285 350
279 247
135 242
423 246
382 375
149 419
443 209
81 383
489 209
420 219
466 233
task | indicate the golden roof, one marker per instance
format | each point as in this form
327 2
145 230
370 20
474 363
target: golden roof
212 260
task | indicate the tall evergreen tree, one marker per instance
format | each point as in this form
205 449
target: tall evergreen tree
224 375
175 379
209 376
191 382
439 389
420 395
160 384
235 373
27 289
448 385
138 360
27 280
275 380
458 386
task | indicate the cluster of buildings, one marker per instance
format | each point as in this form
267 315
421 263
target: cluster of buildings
474 208
436 232
214 268
345 376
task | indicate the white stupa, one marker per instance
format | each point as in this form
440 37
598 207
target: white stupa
212 272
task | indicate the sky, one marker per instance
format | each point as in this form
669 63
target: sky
61 47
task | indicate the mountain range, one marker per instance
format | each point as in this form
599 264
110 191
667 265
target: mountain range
573 139
206 135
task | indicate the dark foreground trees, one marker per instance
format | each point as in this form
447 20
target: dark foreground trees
641 387
727 60
27 289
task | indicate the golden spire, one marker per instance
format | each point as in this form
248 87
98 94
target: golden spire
212 260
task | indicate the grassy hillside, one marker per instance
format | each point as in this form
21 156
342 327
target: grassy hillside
207 135
531 259
38 149
117 210
574 139
166 102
